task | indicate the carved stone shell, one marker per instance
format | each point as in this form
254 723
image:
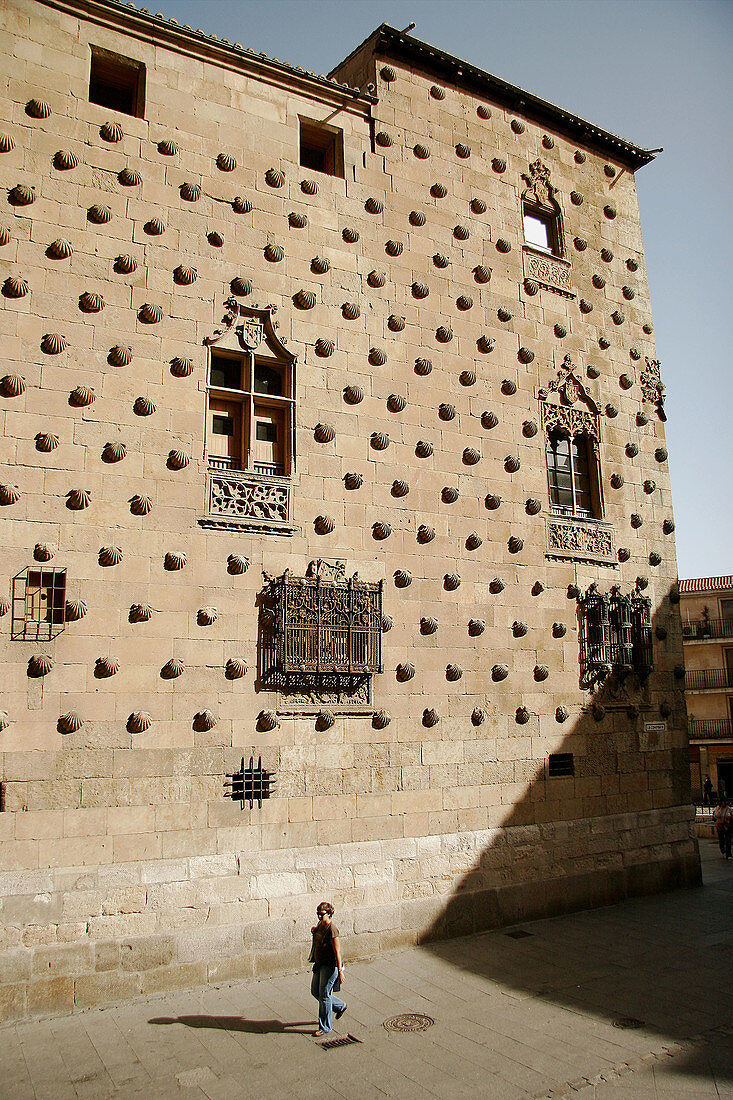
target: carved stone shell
396 402
379 441
383 139
467 378
320 265
611 411
353 395
623 554
185 275
386 623
541 672
560 331
75 610
649 486
324 525
512 463
374 206
585 306
381 530
476 627
376 279
502 245
78 499
617 481
606 255
304 299
438 191
81 396
40 664
421 151
380 719
191 192
604 342
464 302
4 605
377 357
324 433
449 494
405 672
297 221
274 177
129 177
110 555
15 287
400 488
461 232
496 585
240 205
22 195
143 406
417 218
473 541
533 507
174 560
125 265
114 452
237 564
324 720
403 578
499 673
451 581
351 236
537 588
140 613
562 714
423 448
267 720
65 159
155 227
425 534
91 302
177 459
668 526
203 721
181 368
453 673
609 211
485 343
531 287
215 239
519 629
140 505
70 722
440 260
99 214
4 235
241 286
353 481
53 343
42 551
498 164
7 143
471 456
394 248
139 721
350 311
112 132
236 668
483 111
489 419
430 717
492 501
444 334
12 385
206 616
225 162
481 274
655 558
309 187
642 418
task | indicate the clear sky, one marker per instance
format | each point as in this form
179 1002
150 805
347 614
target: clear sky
657 72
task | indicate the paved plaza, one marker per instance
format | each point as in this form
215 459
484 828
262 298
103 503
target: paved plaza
635 1000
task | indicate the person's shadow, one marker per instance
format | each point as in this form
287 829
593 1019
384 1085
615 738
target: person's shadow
238 1023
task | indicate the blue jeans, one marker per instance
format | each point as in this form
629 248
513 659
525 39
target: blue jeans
322 983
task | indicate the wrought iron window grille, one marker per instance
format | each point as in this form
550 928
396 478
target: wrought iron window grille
323 630
38 604
250 784
559 764
615 635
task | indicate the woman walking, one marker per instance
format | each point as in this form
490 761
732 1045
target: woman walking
328 969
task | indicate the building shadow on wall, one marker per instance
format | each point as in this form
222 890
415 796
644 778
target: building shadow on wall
574 844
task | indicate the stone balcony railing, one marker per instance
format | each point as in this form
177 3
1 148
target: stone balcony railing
248 500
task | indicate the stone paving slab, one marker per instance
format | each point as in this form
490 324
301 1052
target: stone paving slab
515 1018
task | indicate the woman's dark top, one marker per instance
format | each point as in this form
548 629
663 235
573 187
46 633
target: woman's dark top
323 952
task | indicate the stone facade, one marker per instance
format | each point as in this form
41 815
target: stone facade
427 354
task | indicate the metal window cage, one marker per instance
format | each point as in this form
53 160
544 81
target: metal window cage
559 764
250 784
38 604
615 634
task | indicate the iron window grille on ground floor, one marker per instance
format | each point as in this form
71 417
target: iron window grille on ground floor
615 634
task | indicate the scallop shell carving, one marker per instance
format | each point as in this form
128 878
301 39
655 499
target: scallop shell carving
351 236
400 488
53 343
114 452
181 368
444 334
236 668
476 627
139 721
38 108
379 441
99 214
215 239
376 279
473 541
82 396
90 302
304 299
120 355
7 143
381 530
65 159
15 287
377 357
70 722
467 378
125 265
499 673
451 581
130 177
309 187
421 151
492 501
150 313
533 507
206 616
485 343
240 205
324 433
353 394
22 195
509 386
237 564
464 302
4 235
420 290
611 411
374 206
380 719
396 402
40 664
403 578
143 406
417 218
394 248
353 481
241 286
624 553
140 613
177 459
12 385
449 494
498 164
42 551
489 419
655 558
423 367
174 560
267 720
225 162
428 625
274 177
324 720
503 245
453 673
405 672
203 721
383 139
496 586
438 191
155 227
515 544
75 610
386 623
560 331
461 232
481 274
324 525
423 448
320 265
430 717
425 534
541 672
519 629
471 456
297 221
112 132
78 499
185 275
350 311
110 555
512 463
140 505
440 260
668 526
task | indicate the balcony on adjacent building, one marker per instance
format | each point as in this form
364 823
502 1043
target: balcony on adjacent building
707 729
696 630
708 679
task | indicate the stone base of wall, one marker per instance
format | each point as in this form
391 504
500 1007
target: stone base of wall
75 937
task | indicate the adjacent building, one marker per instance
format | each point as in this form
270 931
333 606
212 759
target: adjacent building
707 633
338 554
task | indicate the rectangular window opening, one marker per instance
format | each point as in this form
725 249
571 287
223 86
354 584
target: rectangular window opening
250 784
117 82
39 604
560 763
541 230
321 148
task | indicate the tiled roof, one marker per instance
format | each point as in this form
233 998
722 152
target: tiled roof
706 584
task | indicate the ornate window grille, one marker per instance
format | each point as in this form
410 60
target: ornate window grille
322 626
615 635
250 784
39 604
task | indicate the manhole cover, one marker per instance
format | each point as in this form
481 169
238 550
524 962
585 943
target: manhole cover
628 1023
408 1021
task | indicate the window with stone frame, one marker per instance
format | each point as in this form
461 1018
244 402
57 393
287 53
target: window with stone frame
541 215
321 147
569 464
117 82
615 634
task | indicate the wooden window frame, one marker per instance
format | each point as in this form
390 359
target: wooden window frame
592 476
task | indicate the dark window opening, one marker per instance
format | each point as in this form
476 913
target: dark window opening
560 763
268 380
226 374
321 148
615 635
267 432
39 604
117 82
250 784
222 425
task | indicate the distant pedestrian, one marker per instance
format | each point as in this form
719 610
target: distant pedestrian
723 818
328 969
707 792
